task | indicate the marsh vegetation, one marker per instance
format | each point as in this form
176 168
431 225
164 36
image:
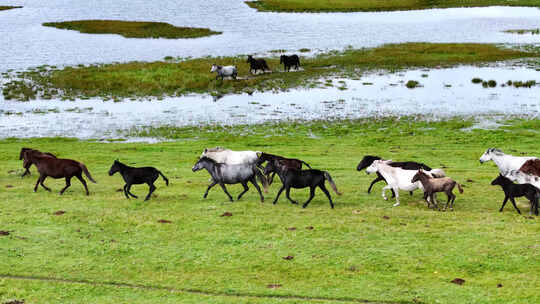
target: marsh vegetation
376 5
176 78
132 29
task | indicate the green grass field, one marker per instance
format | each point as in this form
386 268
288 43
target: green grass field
364 249
318 6
132 29
176 78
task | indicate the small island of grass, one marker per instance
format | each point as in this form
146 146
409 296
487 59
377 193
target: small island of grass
4 7
133 29
175 78
318 6
521 32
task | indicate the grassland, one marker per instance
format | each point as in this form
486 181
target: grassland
132 29
317 6
365 249
175 78
5 7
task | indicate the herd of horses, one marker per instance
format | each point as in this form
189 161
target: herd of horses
255 65
228 167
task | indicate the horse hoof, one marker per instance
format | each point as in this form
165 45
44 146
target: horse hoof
304 206
396 204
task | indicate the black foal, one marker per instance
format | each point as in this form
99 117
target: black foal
135 176
512 190
300 179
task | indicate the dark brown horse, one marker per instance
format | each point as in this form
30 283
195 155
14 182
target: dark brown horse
26 163
287 163
58 168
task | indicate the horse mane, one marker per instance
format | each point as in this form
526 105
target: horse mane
495 151
215 149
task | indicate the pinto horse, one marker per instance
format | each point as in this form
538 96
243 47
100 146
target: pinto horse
256 64
289 163
398 178
505 162
407 165
58 168
27 163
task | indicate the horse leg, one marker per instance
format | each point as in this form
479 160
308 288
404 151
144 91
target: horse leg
68 183
254 182
311 195
226 192
125 191
504 203
246 188
396 190
278 194
42 185
379 178
433 201
37 183
83 182
384 192
209 187
287 194
453 201
152 189
323 188
129 191
514 203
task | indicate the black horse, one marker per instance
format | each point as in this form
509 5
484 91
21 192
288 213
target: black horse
135 176
408 165
300 179
512 190
289 61
290 163
256 64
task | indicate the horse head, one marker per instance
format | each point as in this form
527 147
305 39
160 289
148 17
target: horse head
374 167
488 155
366 162
498 180
115 167
249 59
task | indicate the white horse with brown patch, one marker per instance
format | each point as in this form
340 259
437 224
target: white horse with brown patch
397 178
505 162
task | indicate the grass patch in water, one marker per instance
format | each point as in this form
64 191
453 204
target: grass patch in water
521 32
316 6
158 79
369 249
5 7
132 29
411 84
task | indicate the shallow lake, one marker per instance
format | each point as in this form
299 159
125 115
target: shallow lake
26 43
443 93
449 92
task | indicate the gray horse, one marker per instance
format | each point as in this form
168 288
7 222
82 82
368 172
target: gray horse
231 174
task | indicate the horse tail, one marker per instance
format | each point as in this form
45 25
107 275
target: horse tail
331 181
262 178
87 173
437 173
459 187
164 178
306 164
